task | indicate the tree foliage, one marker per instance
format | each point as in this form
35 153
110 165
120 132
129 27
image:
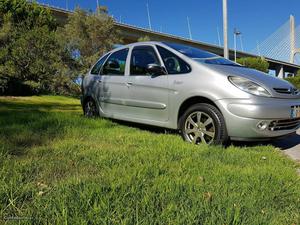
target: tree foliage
26 14
30 62
258 63
38 57
29 54
88 36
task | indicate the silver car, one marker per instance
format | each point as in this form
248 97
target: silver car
209 99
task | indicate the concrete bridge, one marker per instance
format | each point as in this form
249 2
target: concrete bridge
131 34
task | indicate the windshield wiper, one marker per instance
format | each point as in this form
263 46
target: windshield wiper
230 64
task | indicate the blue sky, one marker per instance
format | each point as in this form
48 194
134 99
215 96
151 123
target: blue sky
256 19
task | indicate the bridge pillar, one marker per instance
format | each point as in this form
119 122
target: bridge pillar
294 50
280 72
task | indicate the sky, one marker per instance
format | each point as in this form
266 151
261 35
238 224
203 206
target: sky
256 19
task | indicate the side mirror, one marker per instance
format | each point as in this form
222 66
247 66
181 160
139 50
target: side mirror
113 64
155 69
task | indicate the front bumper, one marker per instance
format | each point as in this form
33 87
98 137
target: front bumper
243 116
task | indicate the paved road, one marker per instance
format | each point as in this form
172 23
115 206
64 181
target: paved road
290 145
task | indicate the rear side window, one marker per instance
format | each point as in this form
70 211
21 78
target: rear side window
115 64
141 57
96 69
173 63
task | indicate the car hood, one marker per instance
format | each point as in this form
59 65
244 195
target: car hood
272 84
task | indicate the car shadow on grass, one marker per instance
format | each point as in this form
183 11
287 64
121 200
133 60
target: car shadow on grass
25 125
144 127
282 143
290 142
22 130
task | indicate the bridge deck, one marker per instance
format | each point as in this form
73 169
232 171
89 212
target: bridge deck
132 33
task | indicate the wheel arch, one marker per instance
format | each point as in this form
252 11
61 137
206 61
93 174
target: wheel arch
192 101
85 99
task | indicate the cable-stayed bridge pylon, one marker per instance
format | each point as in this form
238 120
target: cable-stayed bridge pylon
283 44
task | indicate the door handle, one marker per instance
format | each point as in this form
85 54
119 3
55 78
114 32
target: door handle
128 84
99 81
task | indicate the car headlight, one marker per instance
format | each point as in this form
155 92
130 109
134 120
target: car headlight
249 86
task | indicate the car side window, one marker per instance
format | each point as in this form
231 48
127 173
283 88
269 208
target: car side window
97 67
115 64
173 63
141 57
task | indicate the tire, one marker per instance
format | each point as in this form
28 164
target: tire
203 123
90 109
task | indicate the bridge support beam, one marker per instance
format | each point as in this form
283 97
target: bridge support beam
280 72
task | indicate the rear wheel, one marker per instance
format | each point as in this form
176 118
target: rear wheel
90 109
203 123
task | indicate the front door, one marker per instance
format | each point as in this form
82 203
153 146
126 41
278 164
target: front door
148 94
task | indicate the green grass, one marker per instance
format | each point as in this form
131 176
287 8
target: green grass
57 167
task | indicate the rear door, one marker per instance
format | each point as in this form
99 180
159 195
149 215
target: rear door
114 92
94 79
148 94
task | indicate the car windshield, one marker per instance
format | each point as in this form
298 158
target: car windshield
200 55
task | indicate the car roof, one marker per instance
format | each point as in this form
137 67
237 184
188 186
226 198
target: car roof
137 44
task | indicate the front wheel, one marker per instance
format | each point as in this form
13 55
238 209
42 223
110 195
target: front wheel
203 123
90 109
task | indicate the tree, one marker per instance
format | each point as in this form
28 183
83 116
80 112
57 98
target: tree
29 53
258 63
38 57
88 36
33 61
28 15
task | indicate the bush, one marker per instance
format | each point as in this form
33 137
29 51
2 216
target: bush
294 80
255 63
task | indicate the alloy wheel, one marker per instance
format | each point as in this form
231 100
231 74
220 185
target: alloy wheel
199 128
90 109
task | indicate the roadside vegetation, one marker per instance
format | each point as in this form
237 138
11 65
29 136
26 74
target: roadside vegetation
295 80
262 65
258 63
40 56
58 167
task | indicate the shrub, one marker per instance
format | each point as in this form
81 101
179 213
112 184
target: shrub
256 63
294 80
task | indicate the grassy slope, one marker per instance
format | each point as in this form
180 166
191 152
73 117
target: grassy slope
57 167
